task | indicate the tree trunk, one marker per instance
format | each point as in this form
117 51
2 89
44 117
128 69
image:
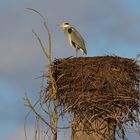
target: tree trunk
102 130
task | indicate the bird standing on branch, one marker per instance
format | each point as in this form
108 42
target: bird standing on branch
74 37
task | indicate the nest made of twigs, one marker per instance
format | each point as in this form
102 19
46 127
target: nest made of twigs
105 87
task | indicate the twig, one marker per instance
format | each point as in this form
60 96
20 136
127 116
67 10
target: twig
29 104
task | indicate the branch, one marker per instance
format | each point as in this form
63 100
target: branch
41 44
29 104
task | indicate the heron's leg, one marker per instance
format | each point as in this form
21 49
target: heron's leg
76 52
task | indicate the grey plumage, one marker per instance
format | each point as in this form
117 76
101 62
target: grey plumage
74 37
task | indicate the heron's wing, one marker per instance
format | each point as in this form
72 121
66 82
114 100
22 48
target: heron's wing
78 39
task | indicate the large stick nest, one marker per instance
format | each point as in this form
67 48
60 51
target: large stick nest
105 87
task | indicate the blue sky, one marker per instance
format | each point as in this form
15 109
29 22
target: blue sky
108 26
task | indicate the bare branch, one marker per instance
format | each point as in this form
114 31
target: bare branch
29 104
41 44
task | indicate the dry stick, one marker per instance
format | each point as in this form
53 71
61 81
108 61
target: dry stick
55 117
53 83
54 87
27 117
29 104
49 40
41 44
49 35
49 59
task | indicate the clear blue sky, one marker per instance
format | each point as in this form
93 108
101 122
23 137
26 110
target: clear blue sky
108 26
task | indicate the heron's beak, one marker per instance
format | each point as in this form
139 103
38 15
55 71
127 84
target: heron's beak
60 26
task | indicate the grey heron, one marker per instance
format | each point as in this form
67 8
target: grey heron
74 37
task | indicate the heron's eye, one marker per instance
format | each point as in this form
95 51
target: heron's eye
66 23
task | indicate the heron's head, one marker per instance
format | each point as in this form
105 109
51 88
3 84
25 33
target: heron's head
64 25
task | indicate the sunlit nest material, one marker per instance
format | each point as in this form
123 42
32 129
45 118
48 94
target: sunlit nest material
93 88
